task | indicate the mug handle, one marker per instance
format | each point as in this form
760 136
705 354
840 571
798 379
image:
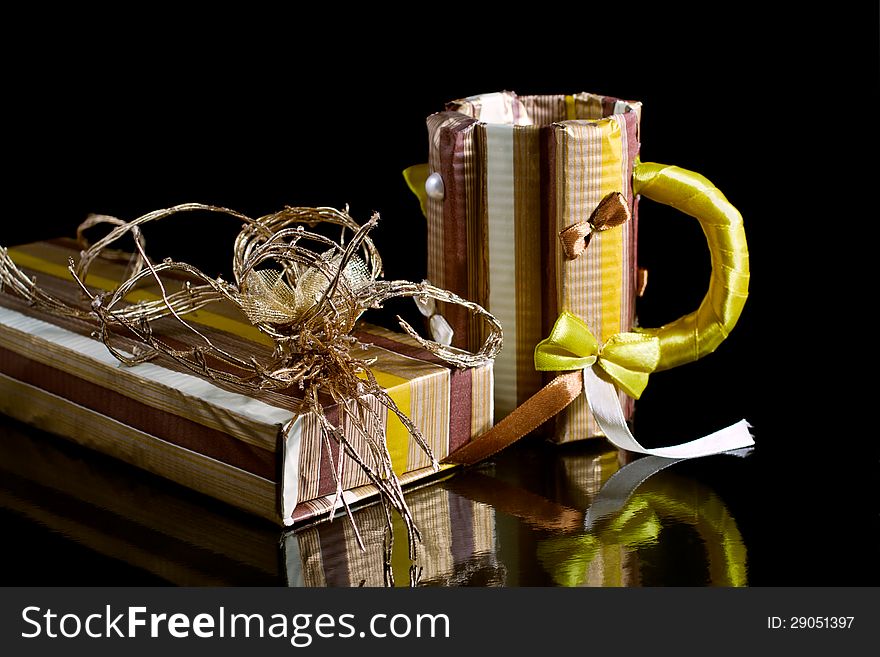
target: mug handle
699 333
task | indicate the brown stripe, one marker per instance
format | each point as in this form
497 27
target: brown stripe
461 517
455 263
334 554
478 279
545 110
632 139
479 218
460 410
587 106
329 462
227 422
527 244
630 291
549 191
306 510
460 383
170 428
608 106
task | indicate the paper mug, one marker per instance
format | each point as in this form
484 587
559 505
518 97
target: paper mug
506 176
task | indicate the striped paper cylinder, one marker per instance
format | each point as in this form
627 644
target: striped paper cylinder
165 419
516 171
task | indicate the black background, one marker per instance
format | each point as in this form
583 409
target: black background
778 111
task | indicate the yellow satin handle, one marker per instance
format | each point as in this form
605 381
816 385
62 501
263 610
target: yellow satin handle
699 333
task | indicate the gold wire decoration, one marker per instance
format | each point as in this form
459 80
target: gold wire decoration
300 288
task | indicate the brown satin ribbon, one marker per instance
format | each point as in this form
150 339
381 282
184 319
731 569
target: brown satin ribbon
613 210
531 414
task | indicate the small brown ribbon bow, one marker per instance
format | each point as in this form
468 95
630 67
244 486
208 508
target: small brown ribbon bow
613 210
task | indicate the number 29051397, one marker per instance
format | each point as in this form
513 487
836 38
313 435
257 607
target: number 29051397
810 622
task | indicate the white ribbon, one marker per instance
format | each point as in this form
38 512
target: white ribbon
615 492
604 402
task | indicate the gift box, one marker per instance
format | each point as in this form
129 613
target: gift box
164 418
532 209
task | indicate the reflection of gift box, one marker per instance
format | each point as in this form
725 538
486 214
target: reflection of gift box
458 546
163 418
130 517
515 171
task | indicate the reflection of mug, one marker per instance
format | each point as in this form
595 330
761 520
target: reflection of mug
506 175
624 527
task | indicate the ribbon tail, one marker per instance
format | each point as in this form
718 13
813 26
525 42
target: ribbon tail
604 403
527 417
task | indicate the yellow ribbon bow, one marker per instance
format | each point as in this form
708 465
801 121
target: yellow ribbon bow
627 358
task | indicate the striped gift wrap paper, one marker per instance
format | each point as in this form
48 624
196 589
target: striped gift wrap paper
165 419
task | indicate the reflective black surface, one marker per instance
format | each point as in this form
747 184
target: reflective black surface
537 515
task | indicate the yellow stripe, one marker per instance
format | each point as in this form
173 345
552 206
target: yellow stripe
396 435
400 561
611 242
570 112
203 317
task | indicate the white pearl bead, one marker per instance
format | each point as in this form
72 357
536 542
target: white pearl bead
434 187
